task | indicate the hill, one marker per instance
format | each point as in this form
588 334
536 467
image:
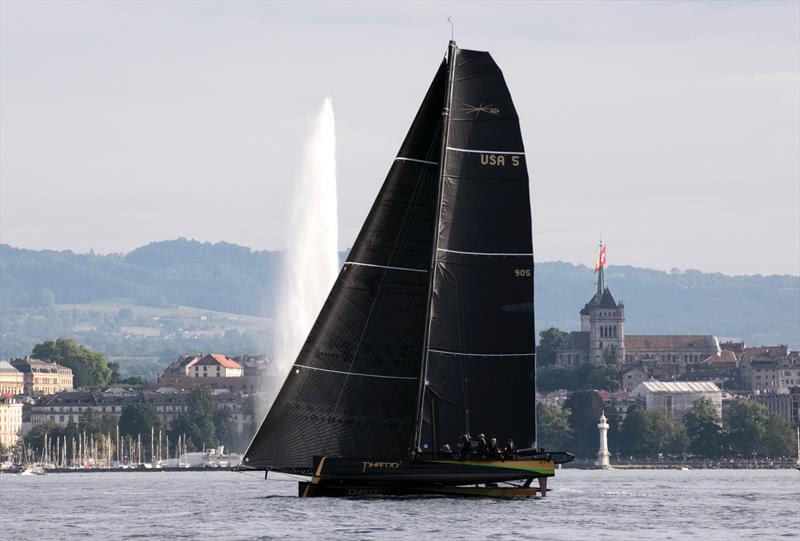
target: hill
227 278
221 276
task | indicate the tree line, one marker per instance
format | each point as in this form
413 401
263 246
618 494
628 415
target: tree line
90 369
749 431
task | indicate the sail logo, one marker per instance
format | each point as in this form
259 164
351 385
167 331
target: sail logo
489 109
367 465
498 160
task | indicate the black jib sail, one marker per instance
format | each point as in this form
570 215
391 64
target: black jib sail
479 362
353 389
428 332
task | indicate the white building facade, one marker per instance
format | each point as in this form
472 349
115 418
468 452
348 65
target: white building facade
10 421
675 398
215 366
11 380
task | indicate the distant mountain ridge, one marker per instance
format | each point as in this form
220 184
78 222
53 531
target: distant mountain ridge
221 276
230 278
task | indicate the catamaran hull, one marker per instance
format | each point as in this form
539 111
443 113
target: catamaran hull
369 477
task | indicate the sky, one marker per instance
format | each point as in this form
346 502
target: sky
669 129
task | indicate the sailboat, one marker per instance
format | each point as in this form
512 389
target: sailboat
427 335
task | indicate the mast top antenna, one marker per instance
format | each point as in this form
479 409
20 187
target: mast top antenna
452 28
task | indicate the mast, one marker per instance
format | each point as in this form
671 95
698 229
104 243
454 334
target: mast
452 50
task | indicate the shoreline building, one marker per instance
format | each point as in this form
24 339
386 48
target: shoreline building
602 337
675 398
246 374
783 404
75 406
10 421
217 366
768 369
12 382
43 378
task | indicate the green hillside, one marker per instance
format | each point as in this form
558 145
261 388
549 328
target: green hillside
184 295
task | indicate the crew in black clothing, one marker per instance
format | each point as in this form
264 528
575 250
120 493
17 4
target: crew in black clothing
494 450
446 451
510 451
481 450
465 447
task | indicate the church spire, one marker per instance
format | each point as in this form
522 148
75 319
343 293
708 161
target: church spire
599 268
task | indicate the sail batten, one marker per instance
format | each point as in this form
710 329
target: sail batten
426 162
384 267
476 151
431 350
499 254
383 376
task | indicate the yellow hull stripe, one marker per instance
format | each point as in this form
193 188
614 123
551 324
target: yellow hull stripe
543 467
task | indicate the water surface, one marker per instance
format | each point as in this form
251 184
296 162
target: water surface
584 505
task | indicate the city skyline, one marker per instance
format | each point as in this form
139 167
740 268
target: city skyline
671 130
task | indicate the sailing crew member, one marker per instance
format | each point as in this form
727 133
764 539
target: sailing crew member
465 447
510 451
481 450
494 449
447 451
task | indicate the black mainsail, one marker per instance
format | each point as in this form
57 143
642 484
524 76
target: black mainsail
428 330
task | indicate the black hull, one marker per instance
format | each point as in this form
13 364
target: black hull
446 472
354 477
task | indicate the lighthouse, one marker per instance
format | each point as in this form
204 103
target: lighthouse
603 455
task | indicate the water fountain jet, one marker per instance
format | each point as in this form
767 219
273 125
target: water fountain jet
310 259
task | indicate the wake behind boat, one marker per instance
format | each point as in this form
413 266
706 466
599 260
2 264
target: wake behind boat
428 334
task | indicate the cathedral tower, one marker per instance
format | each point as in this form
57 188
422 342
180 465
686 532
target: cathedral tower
604 319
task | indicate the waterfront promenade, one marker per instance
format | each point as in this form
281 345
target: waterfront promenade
693 464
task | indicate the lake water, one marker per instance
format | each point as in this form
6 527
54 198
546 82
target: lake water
584 505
